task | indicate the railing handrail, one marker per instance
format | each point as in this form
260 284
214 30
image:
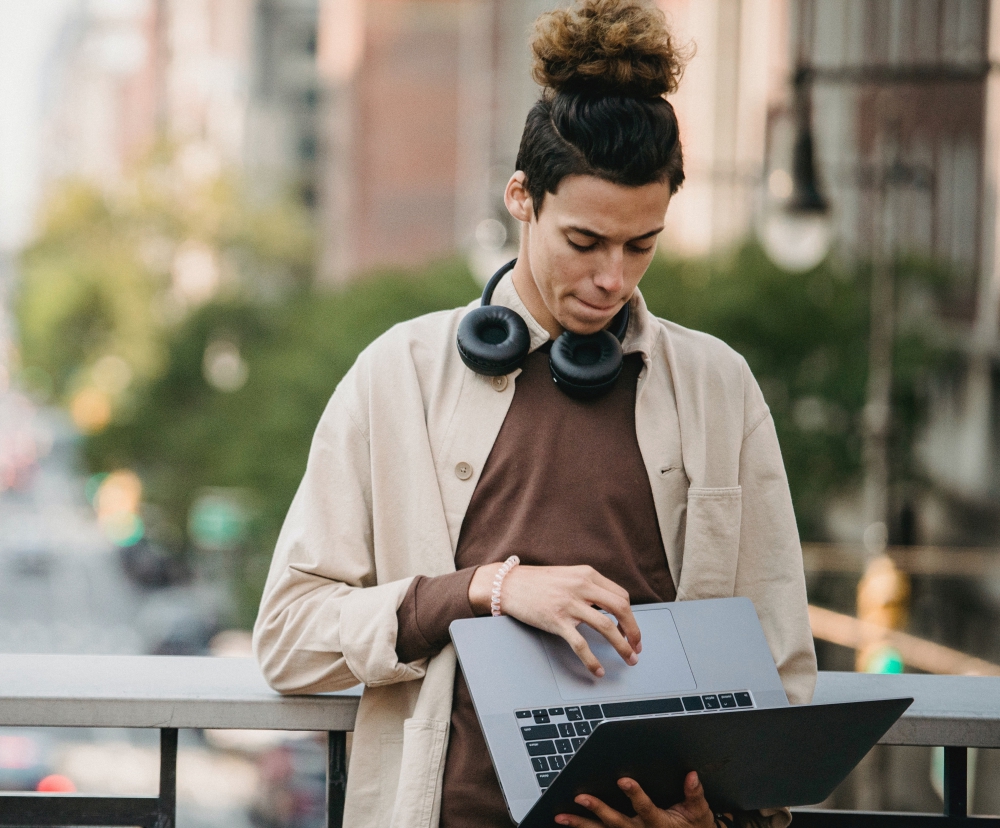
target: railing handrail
170 692
159 691
204 692
947 711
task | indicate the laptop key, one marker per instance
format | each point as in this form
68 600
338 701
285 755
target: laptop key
573 714
616 710
592 711
523 714
557 762
545 779
583 729
691 703
533 732
564 746
541 717
577 744
566 729
555 711
711 702
727 700
540 763
541 748
743 700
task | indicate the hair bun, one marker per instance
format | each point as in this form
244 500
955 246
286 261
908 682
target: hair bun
607 47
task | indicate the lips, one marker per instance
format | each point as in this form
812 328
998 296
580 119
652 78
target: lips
598 308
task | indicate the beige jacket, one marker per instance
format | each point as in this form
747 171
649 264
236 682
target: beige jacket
393 464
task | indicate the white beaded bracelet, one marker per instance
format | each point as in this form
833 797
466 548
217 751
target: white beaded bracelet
507 566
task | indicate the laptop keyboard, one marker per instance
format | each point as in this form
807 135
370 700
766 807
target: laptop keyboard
553 734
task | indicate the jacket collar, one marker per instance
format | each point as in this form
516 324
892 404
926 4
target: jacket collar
640 337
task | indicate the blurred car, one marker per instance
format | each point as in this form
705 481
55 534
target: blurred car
150 566
292 791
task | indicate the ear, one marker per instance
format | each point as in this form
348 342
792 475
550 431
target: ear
517 198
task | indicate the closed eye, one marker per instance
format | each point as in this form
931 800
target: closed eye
583 248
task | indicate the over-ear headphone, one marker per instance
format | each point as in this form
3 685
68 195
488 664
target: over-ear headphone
494 340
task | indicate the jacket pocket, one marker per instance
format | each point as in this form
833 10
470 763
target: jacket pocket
421 762
711 543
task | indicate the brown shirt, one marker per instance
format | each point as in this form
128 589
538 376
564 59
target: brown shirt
564 484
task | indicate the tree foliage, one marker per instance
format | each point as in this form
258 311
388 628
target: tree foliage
99 281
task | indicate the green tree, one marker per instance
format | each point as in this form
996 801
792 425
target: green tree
184 435
101 278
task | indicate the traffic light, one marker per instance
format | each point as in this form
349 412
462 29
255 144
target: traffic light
883 601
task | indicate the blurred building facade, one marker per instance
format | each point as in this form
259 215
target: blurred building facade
906 123
425 101
229 83
281 147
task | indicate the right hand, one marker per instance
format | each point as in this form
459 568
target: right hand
558 599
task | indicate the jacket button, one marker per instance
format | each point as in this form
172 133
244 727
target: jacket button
499 383
463 471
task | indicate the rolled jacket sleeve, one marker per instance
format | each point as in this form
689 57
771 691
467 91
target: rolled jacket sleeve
324 622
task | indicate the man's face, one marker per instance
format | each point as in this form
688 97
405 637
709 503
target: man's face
588 249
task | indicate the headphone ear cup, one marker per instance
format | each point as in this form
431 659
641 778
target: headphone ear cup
493 340
585 367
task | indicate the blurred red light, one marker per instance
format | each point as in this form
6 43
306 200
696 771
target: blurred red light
56 783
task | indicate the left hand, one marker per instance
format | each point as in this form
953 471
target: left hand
693 812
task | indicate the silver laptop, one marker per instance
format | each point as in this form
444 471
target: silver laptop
537 704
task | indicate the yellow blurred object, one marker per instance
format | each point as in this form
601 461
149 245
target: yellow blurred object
119 494
90 409
117 504
883 603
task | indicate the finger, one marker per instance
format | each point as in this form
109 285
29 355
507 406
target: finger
636 645
605 813
582 650
695 806
577 821
618 605
606 626
644 806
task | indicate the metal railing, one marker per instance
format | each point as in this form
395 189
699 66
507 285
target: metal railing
162 692
172 692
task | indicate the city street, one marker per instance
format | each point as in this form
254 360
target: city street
63 590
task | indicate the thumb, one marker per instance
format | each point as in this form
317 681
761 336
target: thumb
694 796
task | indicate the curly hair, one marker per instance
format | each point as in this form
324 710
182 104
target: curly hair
605 67
607 47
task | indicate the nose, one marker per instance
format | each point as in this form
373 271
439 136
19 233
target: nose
611 277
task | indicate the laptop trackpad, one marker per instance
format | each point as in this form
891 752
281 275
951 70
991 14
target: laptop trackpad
662 667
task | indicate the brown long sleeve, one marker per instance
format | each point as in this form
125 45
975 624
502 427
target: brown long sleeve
429 606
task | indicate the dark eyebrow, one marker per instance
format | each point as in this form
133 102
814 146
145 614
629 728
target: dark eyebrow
591 234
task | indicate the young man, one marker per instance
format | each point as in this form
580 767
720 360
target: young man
425 476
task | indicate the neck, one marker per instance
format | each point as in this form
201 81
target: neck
527 290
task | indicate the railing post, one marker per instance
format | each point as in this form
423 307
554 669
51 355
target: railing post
166 812
956 784
336 777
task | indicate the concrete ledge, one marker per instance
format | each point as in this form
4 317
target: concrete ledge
159 691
